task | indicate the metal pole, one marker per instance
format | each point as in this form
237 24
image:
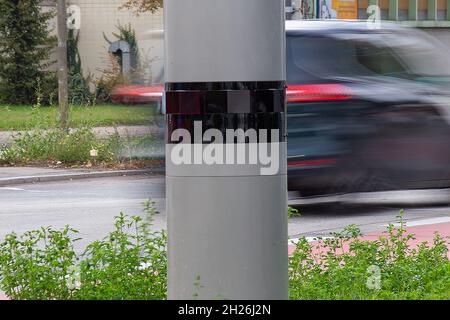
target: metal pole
226 200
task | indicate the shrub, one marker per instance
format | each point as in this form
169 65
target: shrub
111 78
79 91
46 145
129 148
293 213
346 267
46 92
53 145
37 264
42 143
130 263
128 34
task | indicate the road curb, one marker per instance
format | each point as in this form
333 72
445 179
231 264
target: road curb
77 176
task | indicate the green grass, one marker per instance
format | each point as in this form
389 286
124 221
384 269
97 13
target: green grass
44 146
26 117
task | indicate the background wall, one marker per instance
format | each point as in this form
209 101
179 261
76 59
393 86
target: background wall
102 16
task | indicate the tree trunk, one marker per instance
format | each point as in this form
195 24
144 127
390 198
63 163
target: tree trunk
62 63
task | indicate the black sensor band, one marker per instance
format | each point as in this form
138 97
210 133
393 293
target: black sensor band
227 106
225 97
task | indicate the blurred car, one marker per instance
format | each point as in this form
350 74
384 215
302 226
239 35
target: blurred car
137 94
367 109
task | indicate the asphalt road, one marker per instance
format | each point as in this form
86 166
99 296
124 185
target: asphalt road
86 205
90 205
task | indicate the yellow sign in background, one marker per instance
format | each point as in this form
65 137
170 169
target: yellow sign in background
345 9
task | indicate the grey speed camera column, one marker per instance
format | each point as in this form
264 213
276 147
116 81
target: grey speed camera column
226 149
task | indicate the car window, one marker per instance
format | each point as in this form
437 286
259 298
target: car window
317 58
379 60
313 58
326 57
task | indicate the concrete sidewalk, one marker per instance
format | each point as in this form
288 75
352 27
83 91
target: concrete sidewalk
23 175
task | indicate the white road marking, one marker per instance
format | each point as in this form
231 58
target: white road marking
12 189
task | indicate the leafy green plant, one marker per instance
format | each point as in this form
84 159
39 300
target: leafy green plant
130 263
140 63
111 77
73 147
346 267
55 145
128 34
293 212
36 264
42 143
46 89
129 148
79 91
149 208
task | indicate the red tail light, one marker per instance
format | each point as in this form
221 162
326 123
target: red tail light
318 92
312 163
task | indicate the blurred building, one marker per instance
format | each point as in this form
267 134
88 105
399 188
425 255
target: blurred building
419 13
99 18
431 15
